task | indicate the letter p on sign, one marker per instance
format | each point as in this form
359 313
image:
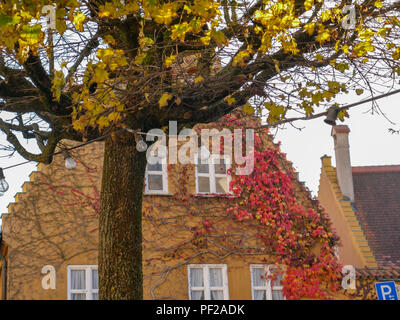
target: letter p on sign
386 290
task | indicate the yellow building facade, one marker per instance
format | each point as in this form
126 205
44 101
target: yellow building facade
192 248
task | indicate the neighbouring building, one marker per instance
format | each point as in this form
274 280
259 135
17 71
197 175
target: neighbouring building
363 203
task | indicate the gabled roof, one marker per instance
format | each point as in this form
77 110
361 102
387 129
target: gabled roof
377 202
379 273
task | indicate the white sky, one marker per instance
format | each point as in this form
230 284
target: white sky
370 144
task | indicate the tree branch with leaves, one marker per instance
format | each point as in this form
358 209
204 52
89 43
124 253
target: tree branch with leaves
121 64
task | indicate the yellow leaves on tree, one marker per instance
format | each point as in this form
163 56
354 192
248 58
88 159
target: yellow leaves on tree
118 9
166 30
165 12
169 60
198 79
163 102
308 4
79 20
58 83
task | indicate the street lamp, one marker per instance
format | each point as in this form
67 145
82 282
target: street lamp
70 163
331 115
141 146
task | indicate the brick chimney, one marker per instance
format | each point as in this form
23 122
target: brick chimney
344 173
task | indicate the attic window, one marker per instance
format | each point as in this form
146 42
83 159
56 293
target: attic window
156 178
212 175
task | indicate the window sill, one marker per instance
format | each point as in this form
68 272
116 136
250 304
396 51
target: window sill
158 194
215 195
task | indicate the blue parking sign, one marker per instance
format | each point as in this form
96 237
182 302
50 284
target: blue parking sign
386 290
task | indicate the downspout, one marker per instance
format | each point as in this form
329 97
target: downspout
4 274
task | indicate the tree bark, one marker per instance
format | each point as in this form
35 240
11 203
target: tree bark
120 225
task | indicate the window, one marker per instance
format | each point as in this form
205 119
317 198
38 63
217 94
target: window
208 282
263 287
83 282
212 175
157 177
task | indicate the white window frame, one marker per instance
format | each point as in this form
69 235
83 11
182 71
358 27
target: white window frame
212 175
88 279
206 281
268 281
163 173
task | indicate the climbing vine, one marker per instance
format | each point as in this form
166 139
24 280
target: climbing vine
269 217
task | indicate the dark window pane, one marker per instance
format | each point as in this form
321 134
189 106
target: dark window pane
155 182
154 167
220 168
202 167
204 184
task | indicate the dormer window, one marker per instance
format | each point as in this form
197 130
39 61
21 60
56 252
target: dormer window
156 179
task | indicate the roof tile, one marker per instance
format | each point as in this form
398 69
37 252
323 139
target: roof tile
377 200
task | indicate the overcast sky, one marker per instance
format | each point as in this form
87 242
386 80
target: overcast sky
370 144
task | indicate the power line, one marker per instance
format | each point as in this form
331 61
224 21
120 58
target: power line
318 115
83 144
68 149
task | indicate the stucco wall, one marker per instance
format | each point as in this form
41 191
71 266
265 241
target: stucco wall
354 249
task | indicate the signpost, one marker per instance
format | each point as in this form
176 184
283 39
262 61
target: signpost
386 290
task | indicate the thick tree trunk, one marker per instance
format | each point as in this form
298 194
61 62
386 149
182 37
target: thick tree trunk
120 229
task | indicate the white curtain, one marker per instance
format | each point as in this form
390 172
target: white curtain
277 295
78 296
196 277
216 281
216 295
260 295
78 279
95 279
259 277
196 280
276 280
197 295
215 277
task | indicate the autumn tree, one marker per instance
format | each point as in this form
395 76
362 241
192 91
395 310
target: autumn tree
104 66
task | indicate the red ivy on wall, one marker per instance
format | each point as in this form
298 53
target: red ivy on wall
301 237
